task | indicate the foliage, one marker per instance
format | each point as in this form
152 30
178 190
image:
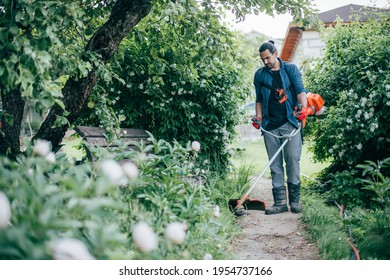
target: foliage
50 201
52 53
40 47
354 80
344 187
377 181
55 201
326 228
369 229
183 77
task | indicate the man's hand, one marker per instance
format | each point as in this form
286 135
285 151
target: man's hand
256 122
300 113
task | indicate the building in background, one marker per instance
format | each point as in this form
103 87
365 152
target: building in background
301 45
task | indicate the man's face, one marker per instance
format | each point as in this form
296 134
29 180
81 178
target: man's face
269 59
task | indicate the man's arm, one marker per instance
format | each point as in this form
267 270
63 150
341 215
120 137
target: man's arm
302 99
259 112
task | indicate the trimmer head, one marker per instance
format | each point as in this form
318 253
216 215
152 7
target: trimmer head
249 204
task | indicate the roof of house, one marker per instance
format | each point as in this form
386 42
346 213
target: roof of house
294 32
345 13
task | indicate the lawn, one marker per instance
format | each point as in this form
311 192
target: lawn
252 152
249 152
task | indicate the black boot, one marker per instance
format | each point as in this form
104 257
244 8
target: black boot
280 201
294 194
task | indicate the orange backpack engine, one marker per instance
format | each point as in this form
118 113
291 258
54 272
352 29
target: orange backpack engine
315 104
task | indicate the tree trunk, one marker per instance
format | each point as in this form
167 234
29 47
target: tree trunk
11 119
124 16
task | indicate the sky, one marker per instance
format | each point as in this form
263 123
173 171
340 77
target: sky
276 27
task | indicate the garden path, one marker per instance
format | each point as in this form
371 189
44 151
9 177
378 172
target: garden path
272 237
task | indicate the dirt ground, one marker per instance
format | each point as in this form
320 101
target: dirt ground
272 237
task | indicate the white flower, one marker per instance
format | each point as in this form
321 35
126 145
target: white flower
70 249
373 127
114 172
131 170
195 146
144 237
216 212
359 146
42 147
50 157
208 256
192 115
387 87
5 210
176 232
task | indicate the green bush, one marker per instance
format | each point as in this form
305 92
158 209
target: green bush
182 76
354 80
96 204
368 229
371 230
51 202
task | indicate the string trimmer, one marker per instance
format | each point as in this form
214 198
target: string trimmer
239 206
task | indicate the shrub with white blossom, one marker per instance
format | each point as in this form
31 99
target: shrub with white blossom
354 79
142 208
187 84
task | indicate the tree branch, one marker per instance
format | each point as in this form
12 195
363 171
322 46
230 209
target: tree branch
124 16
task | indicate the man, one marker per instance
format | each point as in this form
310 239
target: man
279 91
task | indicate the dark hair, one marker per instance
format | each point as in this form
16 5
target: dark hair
270 45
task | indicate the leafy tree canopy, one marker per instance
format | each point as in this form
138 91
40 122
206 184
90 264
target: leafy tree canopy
54 52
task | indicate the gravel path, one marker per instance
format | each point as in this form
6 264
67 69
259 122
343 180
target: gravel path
272 237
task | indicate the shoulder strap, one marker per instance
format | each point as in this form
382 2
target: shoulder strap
294 96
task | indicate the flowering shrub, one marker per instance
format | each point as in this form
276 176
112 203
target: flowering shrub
181 82
143 208
354 79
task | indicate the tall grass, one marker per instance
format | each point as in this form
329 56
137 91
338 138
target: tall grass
326 228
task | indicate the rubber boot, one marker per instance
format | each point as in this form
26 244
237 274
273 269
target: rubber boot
280 201
294 194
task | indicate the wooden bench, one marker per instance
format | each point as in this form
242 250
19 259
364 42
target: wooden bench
95 136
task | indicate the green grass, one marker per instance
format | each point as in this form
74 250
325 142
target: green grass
253 152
